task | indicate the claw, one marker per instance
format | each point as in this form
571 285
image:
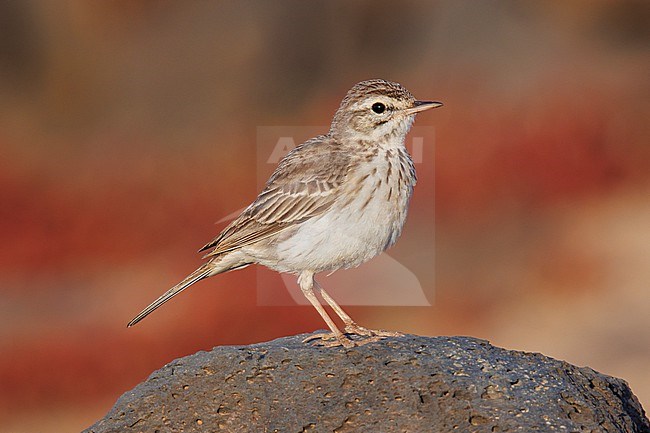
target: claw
329 339
355 329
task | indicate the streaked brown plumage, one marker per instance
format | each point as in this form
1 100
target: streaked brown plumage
333 202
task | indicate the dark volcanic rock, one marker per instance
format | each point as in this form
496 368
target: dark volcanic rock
407 384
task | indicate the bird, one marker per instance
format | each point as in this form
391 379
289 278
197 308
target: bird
333 202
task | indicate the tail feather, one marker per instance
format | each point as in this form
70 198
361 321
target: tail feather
201 273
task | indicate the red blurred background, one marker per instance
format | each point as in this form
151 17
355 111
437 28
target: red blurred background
128 127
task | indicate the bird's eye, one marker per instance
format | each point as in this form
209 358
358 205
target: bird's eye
378 107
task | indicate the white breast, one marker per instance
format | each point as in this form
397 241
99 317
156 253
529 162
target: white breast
365 221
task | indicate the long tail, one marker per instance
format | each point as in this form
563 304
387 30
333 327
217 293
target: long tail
203 272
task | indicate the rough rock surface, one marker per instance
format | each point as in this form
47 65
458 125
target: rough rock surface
406 384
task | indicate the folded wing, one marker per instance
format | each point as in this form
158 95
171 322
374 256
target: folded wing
304 185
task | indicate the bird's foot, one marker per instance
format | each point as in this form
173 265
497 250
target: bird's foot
355 329
330 339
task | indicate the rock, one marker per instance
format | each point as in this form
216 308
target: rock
405 384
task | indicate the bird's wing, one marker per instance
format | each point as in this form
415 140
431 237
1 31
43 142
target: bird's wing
305 184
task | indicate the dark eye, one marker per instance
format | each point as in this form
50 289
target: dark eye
378 107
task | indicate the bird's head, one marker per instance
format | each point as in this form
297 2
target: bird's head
375 109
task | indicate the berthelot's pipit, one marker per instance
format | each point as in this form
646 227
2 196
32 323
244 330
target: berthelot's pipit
333 202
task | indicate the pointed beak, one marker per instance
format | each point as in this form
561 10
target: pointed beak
421 106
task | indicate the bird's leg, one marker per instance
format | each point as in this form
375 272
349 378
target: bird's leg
347 320
306 282
351 326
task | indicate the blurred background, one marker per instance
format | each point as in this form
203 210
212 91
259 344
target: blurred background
127 128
